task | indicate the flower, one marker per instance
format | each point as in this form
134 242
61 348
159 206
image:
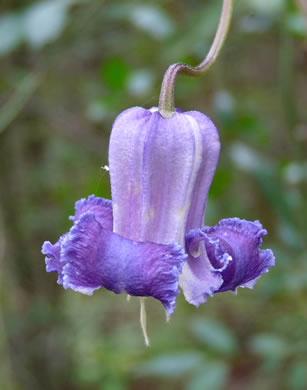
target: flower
151 237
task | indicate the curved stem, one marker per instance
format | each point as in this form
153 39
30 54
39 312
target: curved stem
166 101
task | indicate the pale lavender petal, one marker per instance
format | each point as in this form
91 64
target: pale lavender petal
125 163
157 166
199 278
94 257
211 151
102 208
232 247
171 161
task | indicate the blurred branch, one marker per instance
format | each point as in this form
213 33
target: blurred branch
6 377
75 129
287 76
303 6
18 101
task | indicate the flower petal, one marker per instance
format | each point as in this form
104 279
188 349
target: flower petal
100 207
158 169
125 162
95 257
199 278
52 259
232 247
210 155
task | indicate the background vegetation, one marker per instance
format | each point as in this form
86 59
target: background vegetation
67 69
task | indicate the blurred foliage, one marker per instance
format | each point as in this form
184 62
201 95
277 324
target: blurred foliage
68 67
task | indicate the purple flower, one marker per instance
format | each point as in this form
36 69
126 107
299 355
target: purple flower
151 238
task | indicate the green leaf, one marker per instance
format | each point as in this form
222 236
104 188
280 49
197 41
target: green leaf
272 7
44 21
297 375
115 72
214 335
212 376
171 366
269 346
297 25
10 33
152 20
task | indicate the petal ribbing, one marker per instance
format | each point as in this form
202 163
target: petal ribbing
158 169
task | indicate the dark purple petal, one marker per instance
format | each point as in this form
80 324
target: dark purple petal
100 207
232 247
94 257
221 258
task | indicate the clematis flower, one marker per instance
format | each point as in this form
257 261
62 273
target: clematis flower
151 238
152 231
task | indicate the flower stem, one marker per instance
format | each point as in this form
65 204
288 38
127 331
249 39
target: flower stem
167 101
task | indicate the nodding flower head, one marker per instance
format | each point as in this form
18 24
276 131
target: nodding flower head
151 238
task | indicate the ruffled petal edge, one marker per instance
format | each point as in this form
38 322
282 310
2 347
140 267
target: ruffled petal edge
232 251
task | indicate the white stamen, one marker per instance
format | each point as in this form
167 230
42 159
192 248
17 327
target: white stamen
143 321
128 298
168 318
153 109
106 168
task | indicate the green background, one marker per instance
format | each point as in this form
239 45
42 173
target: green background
67 69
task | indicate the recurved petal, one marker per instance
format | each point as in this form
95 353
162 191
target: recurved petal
199 278
95 257
100 207
242 240
233 248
